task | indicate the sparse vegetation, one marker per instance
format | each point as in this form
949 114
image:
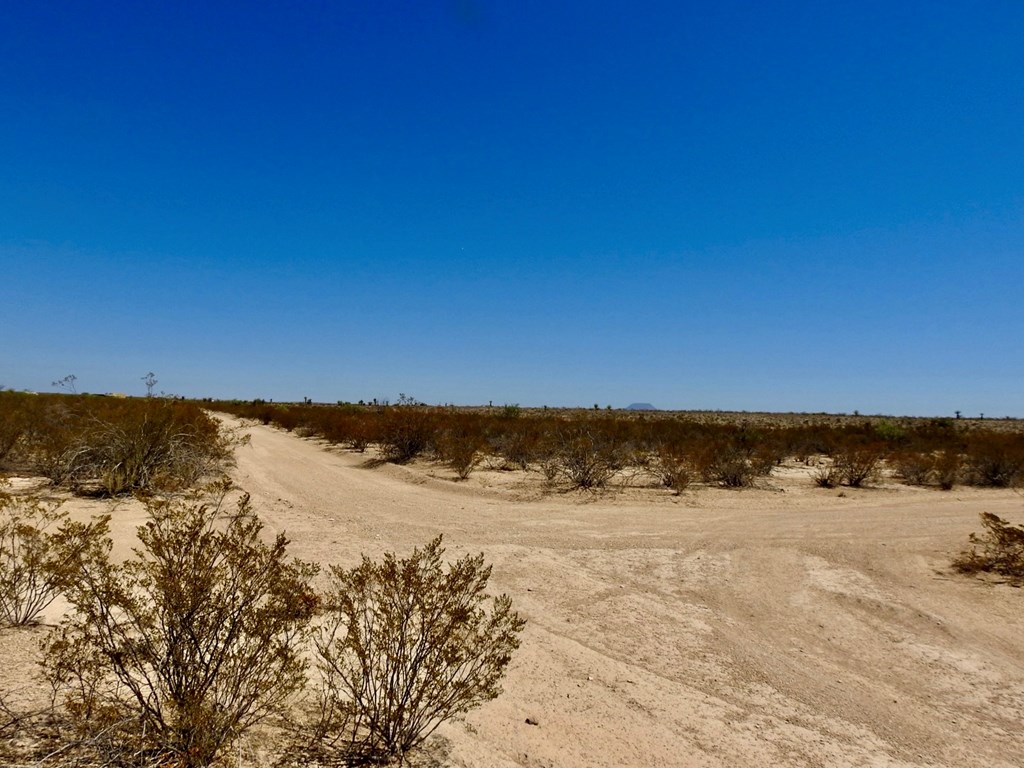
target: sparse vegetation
577 449
999 550
38 547
108 446
406 646
169 657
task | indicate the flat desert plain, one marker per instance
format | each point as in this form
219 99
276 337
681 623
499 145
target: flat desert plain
785 625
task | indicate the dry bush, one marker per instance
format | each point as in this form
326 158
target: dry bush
583 458
165 446
406 646
518 444
111 447
405 433
941 468
859 463
915 467
948 465
460 450
725 463
38 548
170 656
827 474
994 461
999 550
16 415
674 470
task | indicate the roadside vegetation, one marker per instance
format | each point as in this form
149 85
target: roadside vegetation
999 550
106 446
172 656
590 450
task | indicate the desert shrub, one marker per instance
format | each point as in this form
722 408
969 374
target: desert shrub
38 546
407 645
356 430
111 447
53 441
827 474
582 458
994 461
858 462
947 469
673 470
915 467
517 444
15 418
941 468
1000 549
405 433
459 447
155 445
728 463
511 411
173 654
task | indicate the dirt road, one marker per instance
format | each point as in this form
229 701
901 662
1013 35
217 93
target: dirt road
786 626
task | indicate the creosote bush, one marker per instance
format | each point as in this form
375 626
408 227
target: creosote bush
169 657
673 470
827 474
1000 549
39 546
109 446
405 646
731 450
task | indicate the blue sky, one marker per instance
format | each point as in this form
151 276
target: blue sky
736 205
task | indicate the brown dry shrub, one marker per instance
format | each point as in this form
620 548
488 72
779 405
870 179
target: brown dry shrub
859 463
406 645
728 463
170 656
405 433
994 460
1000 550
673 469
39 545
827 474
110 447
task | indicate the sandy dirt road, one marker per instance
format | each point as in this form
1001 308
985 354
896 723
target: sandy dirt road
781 626
778 627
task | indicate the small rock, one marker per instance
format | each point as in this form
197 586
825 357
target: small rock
531 721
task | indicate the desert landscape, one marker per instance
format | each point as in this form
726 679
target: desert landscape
480 384
783 624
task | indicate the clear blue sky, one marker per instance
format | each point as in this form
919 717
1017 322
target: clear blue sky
737 205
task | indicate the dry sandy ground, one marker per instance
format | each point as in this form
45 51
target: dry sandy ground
781 626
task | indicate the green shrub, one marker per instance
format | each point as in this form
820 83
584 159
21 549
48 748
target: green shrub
407 645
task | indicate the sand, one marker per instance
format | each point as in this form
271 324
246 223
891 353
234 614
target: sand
786 625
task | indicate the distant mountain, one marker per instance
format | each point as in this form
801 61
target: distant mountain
640 407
